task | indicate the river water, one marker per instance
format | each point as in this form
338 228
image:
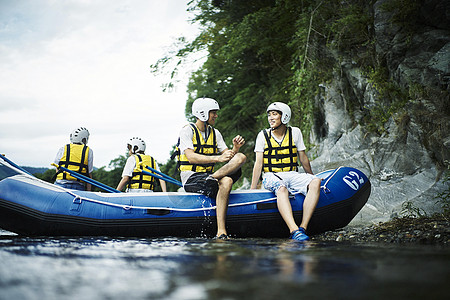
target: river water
198 268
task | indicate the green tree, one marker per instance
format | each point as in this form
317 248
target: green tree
248 64
112 177
170 168
48 175
262 51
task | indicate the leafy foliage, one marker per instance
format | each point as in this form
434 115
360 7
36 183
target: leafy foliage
262 51
47 175
171 169
409 210
404 12
392 100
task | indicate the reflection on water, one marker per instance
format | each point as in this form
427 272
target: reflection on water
171 268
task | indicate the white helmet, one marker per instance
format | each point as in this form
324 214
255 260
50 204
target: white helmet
202 106
79 135
136 144
283 108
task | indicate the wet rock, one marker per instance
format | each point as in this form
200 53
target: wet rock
406 162
434 230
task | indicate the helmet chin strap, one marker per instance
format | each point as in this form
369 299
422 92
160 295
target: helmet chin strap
273 129
206 128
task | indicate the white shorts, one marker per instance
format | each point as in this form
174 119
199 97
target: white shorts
295 182
139 191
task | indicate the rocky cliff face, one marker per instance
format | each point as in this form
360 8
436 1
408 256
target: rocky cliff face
406 162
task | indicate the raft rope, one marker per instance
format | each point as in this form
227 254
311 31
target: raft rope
324 187
78 199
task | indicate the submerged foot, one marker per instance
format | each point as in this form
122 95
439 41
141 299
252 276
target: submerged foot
222 237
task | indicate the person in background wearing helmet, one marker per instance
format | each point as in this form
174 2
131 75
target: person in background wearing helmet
135 180
78 157
277 151
201 146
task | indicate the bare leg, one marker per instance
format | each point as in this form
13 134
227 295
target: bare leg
310 202
229 168
225 185
285 208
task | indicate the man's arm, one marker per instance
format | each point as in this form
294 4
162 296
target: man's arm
163 185
257 168
88 185
196 158
238 142
123 182
305 162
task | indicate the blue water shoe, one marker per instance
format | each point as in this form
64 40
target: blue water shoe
299 235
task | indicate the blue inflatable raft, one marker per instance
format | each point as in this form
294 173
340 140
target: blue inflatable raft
32 207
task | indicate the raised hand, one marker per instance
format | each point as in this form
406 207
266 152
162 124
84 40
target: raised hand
238 142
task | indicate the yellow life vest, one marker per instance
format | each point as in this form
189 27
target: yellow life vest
200 146
140 180
280 157
75 158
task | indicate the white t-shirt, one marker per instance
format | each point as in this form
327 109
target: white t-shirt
60 154
131 164
186 136
296 135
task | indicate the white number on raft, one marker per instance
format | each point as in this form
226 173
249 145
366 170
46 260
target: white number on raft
353 180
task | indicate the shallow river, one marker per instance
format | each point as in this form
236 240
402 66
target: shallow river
172 268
